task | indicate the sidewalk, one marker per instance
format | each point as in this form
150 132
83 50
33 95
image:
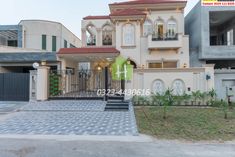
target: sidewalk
10 106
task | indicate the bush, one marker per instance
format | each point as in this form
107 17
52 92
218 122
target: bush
141 100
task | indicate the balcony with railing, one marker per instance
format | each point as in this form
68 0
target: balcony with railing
165 41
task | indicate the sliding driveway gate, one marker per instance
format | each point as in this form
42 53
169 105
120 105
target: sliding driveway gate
14 87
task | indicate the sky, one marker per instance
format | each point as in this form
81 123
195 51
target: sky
67 12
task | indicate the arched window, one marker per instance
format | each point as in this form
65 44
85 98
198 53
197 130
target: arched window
148 28
158 87
107 35
178 87
159 29
171 28
91 35
128 36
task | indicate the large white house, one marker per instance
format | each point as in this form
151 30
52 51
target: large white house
150 35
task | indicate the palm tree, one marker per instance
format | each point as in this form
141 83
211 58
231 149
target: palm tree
212 94
167 100
196 96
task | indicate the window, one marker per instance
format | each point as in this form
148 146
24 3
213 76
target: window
13 43
72 46
148 28
221 28
128 35
53 43
65 44
70 71
91 35
107 35
159 29
171 29
169 64
230 37
84 65
44 42
164 64
155 65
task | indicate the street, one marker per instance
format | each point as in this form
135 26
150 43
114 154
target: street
88 148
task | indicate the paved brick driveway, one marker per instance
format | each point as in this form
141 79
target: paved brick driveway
69 118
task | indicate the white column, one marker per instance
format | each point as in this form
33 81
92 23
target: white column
42 83
129 86
33 85
99 41
84 38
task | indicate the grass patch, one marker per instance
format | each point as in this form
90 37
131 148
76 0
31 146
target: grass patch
186 123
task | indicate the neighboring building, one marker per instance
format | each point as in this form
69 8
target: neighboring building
38 34
212 41
18 43
150 34
19 60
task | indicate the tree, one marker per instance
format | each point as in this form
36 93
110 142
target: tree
203 97
167 100
196 96
212 94
186 98
225 107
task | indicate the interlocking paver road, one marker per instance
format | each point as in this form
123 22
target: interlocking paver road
66 105
69 118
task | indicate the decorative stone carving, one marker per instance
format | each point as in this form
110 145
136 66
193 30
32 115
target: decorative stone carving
158 87
178 87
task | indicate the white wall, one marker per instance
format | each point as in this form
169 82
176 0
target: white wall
193 78
34 29
224 78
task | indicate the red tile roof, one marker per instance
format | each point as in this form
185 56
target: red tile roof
96 17
88 50
148 2
126 12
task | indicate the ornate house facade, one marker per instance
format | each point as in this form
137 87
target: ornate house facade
150 35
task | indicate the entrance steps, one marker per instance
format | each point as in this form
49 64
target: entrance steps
117 103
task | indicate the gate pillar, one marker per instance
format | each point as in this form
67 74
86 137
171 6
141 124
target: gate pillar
106 83
33 85
42 83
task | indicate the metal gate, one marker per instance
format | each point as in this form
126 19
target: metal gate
82 84
14 87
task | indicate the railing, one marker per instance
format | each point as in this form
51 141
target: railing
91 41
80 83
166 36
109 42
166 41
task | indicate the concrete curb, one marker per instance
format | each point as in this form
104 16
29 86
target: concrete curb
141 138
